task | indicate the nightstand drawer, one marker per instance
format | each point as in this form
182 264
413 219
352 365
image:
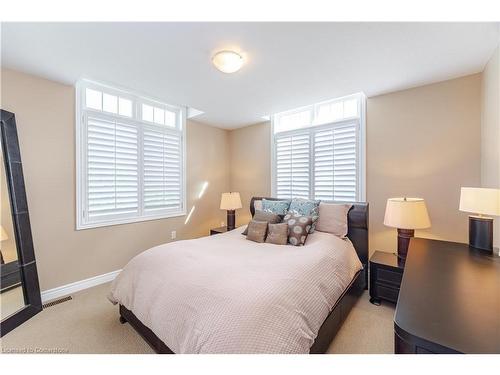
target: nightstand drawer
388 276
386 273
386 292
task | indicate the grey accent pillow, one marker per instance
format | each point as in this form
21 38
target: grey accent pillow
277 234
264 216
298 228
276 207
257 231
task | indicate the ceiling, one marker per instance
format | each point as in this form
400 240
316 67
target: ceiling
287 64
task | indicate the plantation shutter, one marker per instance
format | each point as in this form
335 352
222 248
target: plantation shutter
162 169
112 169
319 150
335 163
129 157
293 165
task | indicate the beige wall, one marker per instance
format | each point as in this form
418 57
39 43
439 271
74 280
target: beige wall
420 142
250 166
424 142
490 130
46 127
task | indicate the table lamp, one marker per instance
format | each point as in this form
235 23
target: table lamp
230 202
406 214
480 201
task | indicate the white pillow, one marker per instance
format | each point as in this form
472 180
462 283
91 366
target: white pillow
257 205
333 218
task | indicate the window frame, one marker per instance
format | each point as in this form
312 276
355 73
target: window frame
137 99
312 128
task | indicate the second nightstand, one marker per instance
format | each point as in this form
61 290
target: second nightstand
218 230
386 273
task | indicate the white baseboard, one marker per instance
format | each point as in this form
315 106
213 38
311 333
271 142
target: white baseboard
61 291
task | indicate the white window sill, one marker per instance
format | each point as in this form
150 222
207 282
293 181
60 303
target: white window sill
83 226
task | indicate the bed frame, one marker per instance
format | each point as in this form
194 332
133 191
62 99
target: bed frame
357 233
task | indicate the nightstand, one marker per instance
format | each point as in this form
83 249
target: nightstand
218 230
386 273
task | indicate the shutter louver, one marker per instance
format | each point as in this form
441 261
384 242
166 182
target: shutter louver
162 170
335 163
112 169
293 166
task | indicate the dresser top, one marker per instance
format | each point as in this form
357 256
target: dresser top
450 295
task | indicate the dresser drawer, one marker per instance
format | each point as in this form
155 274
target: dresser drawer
388 276
385 292
420 350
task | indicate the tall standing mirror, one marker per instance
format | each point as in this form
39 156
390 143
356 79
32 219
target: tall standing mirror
19 289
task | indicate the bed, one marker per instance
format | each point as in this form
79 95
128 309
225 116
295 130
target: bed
225 294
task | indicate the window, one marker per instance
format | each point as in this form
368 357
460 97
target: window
130 157
318 151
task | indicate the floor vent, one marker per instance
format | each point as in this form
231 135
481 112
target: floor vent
56 302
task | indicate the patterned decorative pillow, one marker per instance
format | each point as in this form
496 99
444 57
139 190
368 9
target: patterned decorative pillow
306 207
264 216
298 228
276 207
277 233
257 231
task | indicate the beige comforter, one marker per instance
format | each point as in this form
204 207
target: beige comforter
225 294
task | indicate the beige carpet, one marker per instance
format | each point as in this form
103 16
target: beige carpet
89 324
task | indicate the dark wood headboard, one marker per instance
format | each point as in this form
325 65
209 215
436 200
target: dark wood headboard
357 222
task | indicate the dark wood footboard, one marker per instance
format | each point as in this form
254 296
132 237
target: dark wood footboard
336 318
156 344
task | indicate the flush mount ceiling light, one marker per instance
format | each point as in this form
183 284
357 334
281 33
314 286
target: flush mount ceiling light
228 61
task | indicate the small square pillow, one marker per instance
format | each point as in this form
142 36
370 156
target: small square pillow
333 218
257 231
298 228
277 233
306 207
276 207
264 216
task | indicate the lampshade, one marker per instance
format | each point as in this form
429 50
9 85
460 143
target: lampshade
480 201
406 213
3 234
228 61
230 201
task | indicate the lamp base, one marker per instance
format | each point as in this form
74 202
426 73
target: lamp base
481 233
231 219
404 236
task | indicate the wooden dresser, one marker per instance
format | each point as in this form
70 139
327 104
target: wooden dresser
449 301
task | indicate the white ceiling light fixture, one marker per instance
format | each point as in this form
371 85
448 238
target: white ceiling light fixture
228 61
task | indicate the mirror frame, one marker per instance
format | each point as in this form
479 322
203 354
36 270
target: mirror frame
21 225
